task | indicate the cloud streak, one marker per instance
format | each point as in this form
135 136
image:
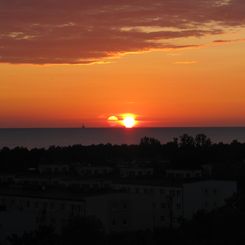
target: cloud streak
186 62
84 32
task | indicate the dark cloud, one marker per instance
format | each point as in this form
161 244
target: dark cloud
82 31
221 41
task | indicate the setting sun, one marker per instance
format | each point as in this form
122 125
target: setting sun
129 121
113 121
126 120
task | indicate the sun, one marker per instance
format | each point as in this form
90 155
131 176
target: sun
129 121
113 120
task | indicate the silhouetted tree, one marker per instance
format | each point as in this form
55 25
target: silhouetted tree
149 141
187 141
150 147
185 150
201 140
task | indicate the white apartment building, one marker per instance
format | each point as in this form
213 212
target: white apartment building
53 168
93 170
136 171
183 173
24 211
183 200
83 183
206 195
132 206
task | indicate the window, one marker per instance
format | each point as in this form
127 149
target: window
178 205
52 220
178 192
124 222
162 218
163 205
114 205
113 222
171 192
178 175
73 207
51 205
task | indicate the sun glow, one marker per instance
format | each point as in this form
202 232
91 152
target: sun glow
113 118
126 120
129 121
113 121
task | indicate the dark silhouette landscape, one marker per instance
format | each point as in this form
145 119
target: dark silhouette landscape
188 191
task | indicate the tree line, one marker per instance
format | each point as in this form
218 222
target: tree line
183 151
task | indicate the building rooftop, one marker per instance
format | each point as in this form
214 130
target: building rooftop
53 194
148 181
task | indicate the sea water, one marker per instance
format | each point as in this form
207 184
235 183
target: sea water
45 137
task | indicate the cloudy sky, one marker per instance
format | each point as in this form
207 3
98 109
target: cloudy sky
169 62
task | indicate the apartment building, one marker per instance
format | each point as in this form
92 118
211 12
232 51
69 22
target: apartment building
136 171
181 200
90 170
130 205
53 168
183 173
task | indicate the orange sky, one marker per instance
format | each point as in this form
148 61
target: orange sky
190 77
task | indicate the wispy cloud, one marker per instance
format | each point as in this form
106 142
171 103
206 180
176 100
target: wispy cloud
82 31
222 41
185 62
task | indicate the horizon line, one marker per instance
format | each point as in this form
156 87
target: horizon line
159 127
